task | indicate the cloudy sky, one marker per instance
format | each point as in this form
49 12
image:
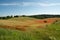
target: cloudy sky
29 7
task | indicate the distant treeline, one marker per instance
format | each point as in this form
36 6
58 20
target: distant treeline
8 17
33 16
45 16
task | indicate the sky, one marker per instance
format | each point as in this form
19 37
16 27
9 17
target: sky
29 7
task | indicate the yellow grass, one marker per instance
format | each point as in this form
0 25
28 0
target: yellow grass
23 22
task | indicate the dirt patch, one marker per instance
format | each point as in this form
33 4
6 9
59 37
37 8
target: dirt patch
40 27
43 21
21 28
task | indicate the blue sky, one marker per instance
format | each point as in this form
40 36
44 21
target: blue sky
29 7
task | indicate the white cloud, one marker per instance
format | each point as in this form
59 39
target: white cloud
40 4
31 4
48 13
9 4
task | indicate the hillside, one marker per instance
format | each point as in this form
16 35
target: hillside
26 22
27 28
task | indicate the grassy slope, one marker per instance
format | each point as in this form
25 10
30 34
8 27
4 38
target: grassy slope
50 32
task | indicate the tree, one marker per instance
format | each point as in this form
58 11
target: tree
23 15
16 16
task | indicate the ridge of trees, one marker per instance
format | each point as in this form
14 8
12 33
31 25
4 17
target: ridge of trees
8 17
45 16
33 16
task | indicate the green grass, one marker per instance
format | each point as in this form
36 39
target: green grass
48 33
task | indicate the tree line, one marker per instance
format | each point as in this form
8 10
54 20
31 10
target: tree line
33 16
45 16
8 17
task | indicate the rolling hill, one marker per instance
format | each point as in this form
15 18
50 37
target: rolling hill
27 28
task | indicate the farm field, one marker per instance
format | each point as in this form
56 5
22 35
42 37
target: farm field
26 28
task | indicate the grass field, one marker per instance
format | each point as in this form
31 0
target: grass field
25 28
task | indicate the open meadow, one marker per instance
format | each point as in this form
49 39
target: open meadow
26 28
